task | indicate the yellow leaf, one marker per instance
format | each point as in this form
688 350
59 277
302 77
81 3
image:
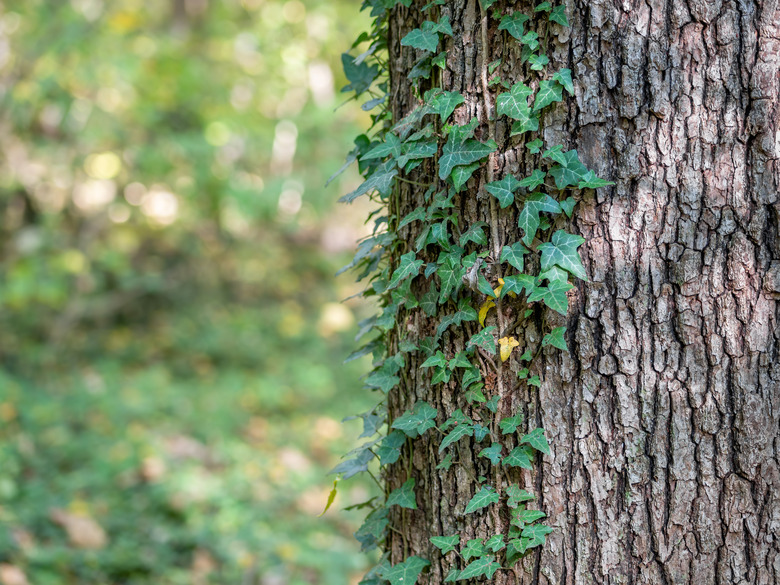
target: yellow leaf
497 290
331 497
507 344
483 311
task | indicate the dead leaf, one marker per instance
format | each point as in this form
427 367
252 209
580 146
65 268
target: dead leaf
507 345
83 532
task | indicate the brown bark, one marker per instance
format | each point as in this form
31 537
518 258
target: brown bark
664 418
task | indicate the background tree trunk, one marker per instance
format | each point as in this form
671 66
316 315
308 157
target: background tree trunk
664 418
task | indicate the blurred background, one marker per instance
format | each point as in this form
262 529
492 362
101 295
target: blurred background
171 331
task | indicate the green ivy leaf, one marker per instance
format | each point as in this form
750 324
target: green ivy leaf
493 453
510 423
538 62
475 234
484 339
504 190
456 434
382 380
563 76
553 295
437 359
424 39
372 531
514 254
528 220
492 404
562 251
452 575
534 381
405 573
537 440
528 122
513 24
558 15
457 418
534 180
461 174
459 154
418 214
590 181
407 266
389 450
445 103
440 60
528 516
417 150
459 361
482 566
535 146
390 147
403 496
416 422
516 496
518 457
460 134
569 171
536 534
514 103
543 7
549 91
446 463
465 312
445 543
470 377
485 287
474 394
480 432
381 180
495 543
568 205
353 466
555 338
517 282
473 548
360 76
484 497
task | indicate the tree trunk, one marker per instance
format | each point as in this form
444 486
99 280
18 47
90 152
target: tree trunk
664 417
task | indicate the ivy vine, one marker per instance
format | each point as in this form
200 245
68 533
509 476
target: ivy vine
459 274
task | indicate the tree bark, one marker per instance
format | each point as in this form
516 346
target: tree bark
664 417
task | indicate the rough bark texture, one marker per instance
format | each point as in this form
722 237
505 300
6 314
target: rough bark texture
664 418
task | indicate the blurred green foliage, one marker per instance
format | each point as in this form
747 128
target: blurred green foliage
169 327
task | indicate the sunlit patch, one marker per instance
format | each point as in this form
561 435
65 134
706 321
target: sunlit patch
291 198
134 193
321 83
103 165
160 206
91 196
334 317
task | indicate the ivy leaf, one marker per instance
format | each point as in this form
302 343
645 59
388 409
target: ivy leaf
446 463
518 457
531 42
514 254
459 154
493 453
543 7
538 62
562 251
445 103
452 575
492 404
555 338
484 497
474 548
507 344
516 496
424 39
418 214
459 361
534 180
534 381
528 219
417 150
495 543
527 122
381 180
475 234
360 76
568 205
406 573
563 76
549 91
445 543
353 466
416 422
569 171
536 534
437 359
390 147
440 60
537 440
456 434
474 394
558 15
457 418
465 312
408 266
480 432
517 282
535 146
590 181
509 424
461 174
514 103
484 287
513 24
504 190
451 274
382 380
484 339
372 531
482 566
403 496
528 516
553 295
389 450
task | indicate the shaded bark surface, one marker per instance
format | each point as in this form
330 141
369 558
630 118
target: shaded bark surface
664 418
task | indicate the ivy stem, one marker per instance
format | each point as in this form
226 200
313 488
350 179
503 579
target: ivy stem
413 182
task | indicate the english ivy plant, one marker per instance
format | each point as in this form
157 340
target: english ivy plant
458 278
